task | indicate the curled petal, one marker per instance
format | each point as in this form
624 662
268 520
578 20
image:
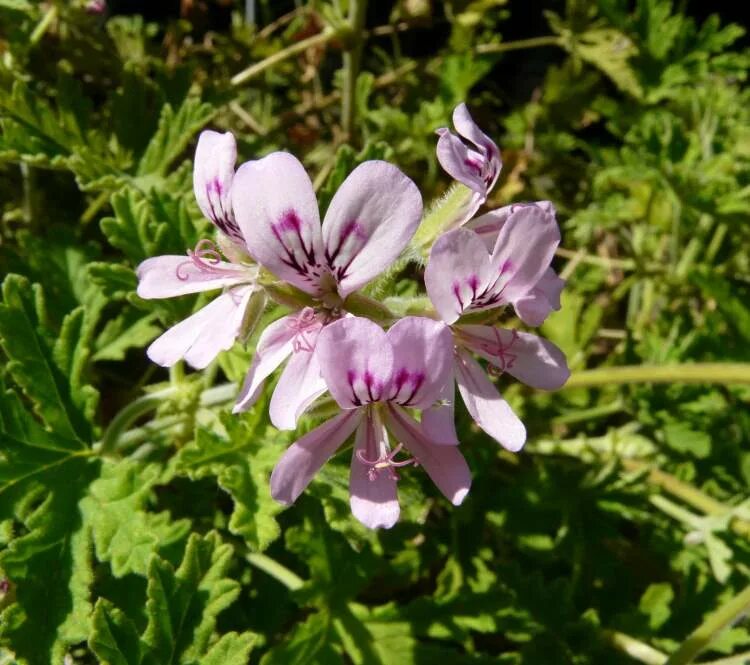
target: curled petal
373 494
369 222
486 406
213 173
459 163
445 465
356 361
422 361
300 384
275 206
202 336
458 273
303 459
533 360
169 276
274 345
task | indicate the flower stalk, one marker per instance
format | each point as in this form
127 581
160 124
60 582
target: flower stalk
724 373
352 59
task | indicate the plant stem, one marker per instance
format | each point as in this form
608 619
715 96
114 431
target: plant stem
49 16
289 579
726 373
700 639
533 42
352 58
636 649
259 67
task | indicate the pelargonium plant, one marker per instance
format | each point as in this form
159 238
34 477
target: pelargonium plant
392 377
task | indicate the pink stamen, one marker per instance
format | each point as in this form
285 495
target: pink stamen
206 257
386 462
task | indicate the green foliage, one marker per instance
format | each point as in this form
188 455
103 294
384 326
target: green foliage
136 522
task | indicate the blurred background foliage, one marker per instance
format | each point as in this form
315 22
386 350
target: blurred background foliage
622 527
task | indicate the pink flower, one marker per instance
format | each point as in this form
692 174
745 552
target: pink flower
373 376
368 223
214 328
476 165
463 277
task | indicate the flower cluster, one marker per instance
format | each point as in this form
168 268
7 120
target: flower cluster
395 385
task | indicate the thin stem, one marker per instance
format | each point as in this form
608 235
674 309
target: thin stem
610 264
739 659
533 42
289 579
702 637
725 373
290 51
352 58
49 16
636 649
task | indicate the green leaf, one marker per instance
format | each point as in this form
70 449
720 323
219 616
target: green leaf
124 533
49 372
175 132
309 642
231 649
129 330
182 606
682 437
655 603
241 459
113 637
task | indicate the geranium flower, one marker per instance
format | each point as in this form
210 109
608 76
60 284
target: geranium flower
476 165
534 306
369 221
214 328
374 376
463 277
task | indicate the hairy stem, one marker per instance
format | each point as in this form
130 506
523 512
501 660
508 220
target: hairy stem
533 42
352 59
700 639
290 51
726 373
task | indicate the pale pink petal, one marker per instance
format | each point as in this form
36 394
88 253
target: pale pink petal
533 360
369 222
524 250
461 164
275 206
202 336
422 361
213 172
445 465
439 422
486 406
274 345
303 459
534 307
356 361
373 494
458 273
487 226
169 276
300 384
466 127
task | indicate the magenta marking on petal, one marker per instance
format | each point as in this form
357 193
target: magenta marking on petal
295 253
506 267
290 221
351 230
473 164
457 293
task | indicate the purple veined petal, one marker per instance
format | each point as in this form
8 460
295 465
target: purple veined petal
274 345
485 404
445 465
169 276
369 222
300 384
356 361
303 459
466 127
534 307
488 226
524 250
213 172
422 361
202 336
457 274
275 207
461 164
533 360
439 421
373 495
